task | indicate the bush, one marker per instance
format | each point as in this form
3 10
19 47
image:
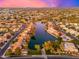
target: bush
34 52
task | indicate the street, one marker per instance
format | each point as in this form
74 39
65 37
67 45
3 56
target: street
41 57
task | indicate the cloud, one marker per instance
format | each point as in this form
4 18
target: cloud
23 3
52 3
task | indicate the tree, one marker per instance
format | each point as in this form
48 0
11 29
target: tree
47 45
25 46
75 41
8 52
60 40
37 47
33 37
17 51
23 20
78 36
56 45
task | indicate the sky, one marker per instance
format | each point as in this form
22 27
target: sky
39 3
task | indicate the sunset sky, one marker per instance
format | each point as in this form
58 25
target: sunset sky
39 3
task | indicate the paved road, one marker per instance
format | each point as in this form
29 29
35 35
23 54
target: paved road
25 58
61 57
41 57
2 51
44 53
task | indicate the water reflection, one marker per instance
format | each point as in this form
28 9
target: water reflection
40 35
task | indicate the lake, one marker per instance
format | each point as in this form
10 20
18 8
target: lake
40 35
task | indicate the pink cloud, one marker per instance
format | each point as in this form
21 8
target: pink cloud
23 3
54 3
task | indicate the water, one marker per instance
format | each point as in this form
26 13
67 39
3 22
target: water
40 35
